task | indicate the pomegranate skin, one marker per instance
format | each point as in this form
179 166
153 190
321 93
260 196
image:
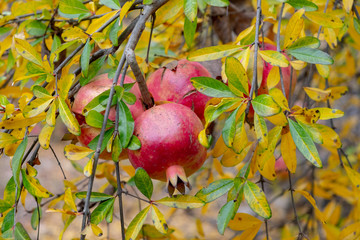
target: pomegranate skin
168 135
174 85
100 84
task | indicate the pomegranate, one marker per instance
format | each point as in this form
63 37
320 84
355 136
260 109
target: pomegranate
172 83
170 150
88 92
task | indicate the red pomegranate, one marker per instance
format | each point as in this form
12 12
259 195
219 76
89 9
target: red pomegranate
172 83
170 150
88 92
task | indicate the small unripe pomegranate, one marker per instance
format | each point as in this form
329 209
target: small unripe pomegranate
87 93
172 83
170 150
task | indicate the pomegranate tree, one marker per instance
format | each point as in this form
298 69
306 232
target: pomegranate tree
87 93
172 83
170 150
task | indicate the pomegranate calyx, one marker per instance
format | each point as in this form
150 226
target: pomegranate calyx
176 179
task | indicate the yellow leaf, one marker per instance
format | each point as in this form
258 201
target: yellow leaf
354 176
31 170
212 53
168 11
308 116
96 230
297 64
338 92
33 186
124 9
136 224
158 220
261 130
64 85
317 94
231 158
97 23
69 200
273 77
29 76
88 169
249 234
27 51
264 154
220 148
323 70
274 58
330 138
350 232
74 33
7 139
278 119
348 4
182 201
23 196
37 106
51 114
74 152
269 169
67 212
311 200
279 98
325 19
330 37
244 33
288 149
14 91
200 228
18 121
203 139
45 136
243 221
68 118
294 28
245 57
240 139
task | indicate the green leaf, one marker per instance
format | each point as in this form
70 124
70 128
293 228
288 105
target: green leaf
190 9
159 220
265 106
73 9
95 119
7 139
214 111
33 186
4 205
212 53
229 130
68 118
134 143
62 47
227 212
69 219
256 200
113 32
307 5
8 221
129 98
35 218
211 87
305 42
17 161
311 55
37 106
110 214
189 31
237 78
94 196
261 130
9 192
136 224
116 148
357 25
113 4
4 30
94 68
20 232
215 190
35 28
107 136
143 182
97 103
85 58
218 3
101 211
304 143
275 58
126 124
40 92
182 201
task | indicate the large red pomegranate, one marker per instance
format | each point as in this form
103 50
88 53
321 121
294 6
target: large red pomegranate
172 83
170 150
88 92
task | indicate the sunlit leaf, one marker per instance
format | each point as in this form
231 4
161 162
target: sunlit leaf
17 160
211 87
190 9
307 5
350 232
33 186
74 152
94 197
288 149
317 94
265 106
330 138
313 203
136 224
256 200
325 19
337 92
73 9
37 106
229 130
294 28
261 130
68 118
158 220
212 53
27 51
45 136
275 58
69 200
243 221
304 143
96 24
237 78
231 158
323 70
7 139
354 176
215 190
182 201
273 78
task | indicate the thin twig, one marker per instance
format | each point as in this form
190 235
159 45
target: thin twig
58 162
265 220
38 211
278 47
291 189
256 45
